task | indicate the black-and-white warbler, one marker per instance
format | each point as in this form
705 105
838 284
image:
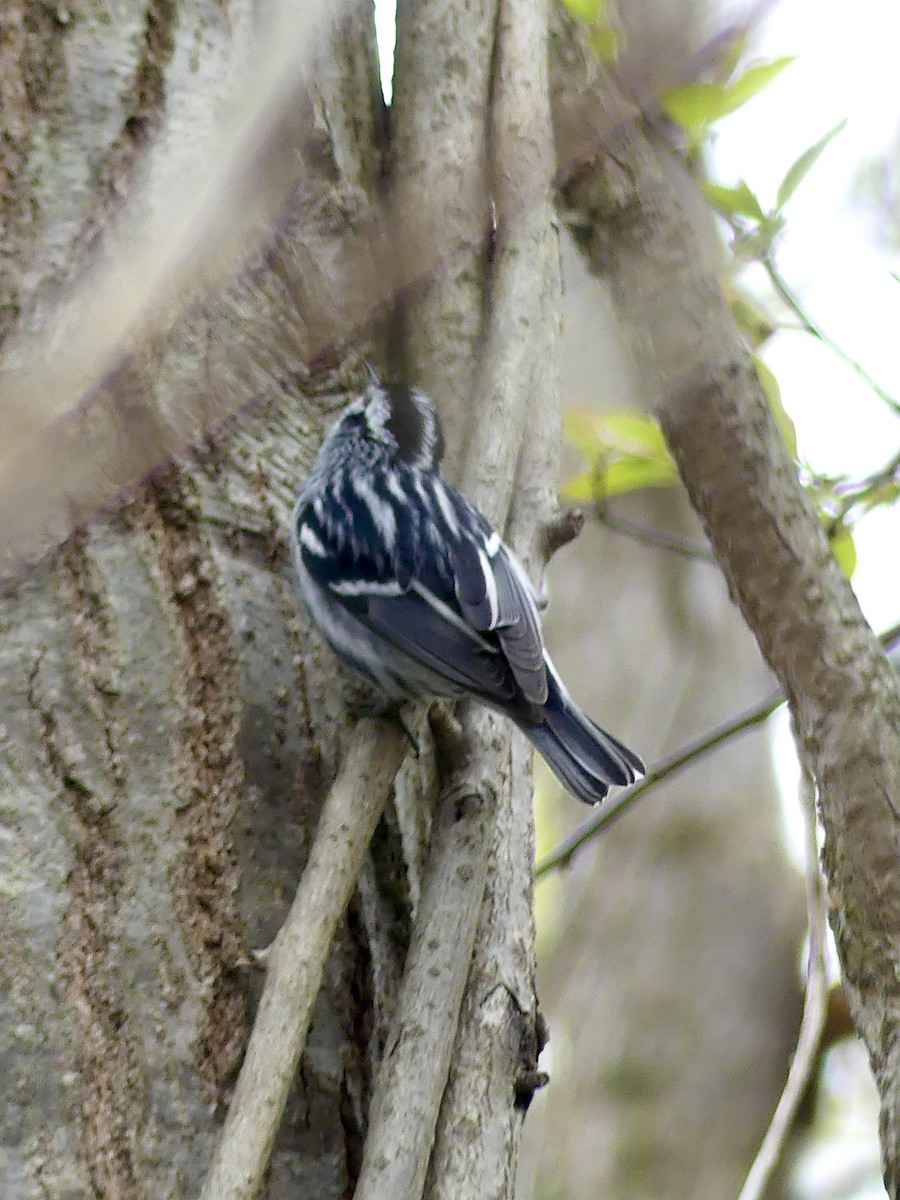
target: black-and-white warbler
411 585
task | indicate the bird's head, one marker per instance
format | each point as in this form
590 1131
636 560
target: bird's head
398 418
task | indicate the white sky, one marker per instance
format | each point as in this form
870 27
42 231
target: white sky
834 252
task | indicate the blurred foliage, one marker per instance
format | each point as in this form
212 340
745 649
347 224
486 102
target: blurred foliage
601 29
695 106
625 451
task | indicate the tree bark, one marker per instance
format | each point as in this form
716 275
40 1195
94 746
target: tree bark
171 723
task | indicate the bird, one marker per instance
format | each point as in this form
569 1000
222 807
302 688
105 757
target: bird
412 586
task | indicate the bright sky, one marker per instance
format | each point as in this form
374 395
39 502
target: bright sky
835 252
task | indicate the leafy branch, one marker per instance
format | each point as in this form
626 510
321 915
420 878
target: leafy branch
625 451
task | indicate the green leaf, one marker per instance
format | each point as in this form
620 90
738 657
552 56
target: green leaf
617 477
693 106
733 201
885 492
630 474
772 393
728 64
844 549
626 450
754 244
800 168
603 42
753 81
755 324
589 11
582 431
632 433
619 432
581 489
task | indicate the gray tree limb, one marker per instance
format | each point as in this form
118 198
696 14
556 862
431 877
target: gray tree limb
295 964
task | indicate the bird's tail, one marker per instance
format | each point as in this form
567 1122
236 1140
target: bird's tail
585 758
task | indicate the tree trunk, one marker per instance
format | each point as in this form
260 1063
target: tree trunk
171 723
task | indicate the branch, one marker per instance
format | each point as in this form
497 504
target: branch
560 529
296 961
485 305
858 492
815 1008
493 1071
416 1058
672 764
659 539
808 325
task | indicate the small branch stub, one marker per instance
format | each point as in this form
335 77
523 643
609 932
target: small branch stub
561 529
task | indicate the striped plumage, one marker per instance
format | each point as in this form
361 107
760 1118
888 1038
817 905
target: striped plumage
411 585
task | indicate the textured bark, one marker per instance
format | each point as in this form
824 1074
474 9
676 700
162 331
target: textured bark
439 165
170 723
776 560
513 413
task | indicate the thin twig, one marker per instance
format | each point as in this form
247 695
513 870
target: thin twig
297 960
649 535
815 1007
857 493
671 765
780 284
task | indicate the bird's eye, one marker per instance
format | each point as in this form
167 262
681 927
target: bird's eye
354 421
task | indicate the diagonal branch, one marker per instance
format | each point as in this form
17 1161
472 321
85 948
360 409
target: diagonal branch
296 961
671 765
679 760
775 556
486 849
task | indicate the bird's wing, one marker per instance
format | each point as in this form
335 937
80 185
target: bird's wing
495 596
430 632
410 604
